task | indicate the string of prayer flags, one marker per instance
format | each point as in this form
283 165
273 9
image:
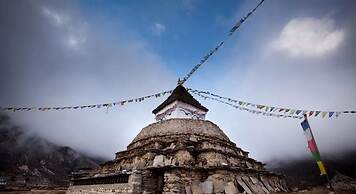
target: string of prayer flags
211 52
242 20
244 108
279 110
80 107
266 110
312 145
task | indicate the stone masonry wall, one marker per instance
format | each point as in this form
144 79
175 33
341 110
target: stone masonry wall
120 188
220 182
134 186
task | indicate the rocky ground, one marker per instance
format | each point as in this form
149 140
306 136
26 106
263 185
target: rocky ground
319 190
35 192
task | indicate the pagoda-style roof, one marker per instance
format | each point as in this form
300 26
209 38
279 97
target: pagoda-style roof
180 94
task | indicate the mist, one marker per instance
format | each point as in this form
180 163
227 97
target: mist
299 56
51 55
296 54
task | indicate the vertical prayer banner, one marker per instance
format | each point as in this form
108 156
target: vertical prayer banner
312 146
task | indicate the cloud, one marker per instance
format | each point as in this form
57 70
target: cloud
74 32
59 57
39 67
309 36
314 79
74 41
57 18
158 28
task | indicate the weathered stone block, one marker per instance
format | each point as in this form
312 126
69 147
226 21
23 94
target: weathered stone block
230 188
243 185
167 161
193 139
158 161
219 186
207 187
196 189
188 190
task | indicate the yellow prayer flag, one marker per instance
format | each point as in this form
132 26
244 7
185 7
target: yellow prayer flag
321 167
292 112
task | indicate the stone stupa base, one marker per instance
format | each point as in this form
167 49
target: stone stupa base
180 156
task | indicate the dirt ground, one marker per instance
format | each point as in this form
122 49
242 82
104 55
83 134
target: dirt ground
320 191
35 192
313 191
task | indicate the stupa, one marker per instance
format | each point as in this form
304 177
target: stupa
180 153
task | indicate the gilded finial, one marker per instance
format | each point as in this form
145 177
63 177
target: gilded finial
179 82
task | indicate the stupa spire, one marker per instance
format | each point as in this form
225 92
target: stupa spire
180 104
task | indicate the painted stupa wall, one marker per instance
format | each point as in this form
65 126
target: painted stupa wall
180 156
179 109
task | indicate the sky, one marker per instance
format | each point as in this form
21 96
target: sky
296 53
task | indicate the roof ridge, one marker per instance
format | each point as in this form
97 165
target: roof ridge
180 94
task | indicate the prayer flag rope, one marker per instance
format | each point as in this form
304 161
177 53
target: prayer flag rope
259 108
80 107
245 108
211 52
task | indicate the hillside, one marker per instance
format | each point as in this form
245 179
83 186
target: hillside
29 160
304 173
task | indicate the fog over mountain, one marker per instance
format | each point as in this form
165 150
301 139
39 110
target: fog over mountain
29 159
297 54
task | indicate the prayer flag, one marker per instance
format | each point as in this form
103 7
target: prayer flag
317 113
321 167
312 146
331 114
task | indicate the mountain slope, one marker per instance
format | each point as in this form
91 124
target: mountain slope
29 160
304 172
